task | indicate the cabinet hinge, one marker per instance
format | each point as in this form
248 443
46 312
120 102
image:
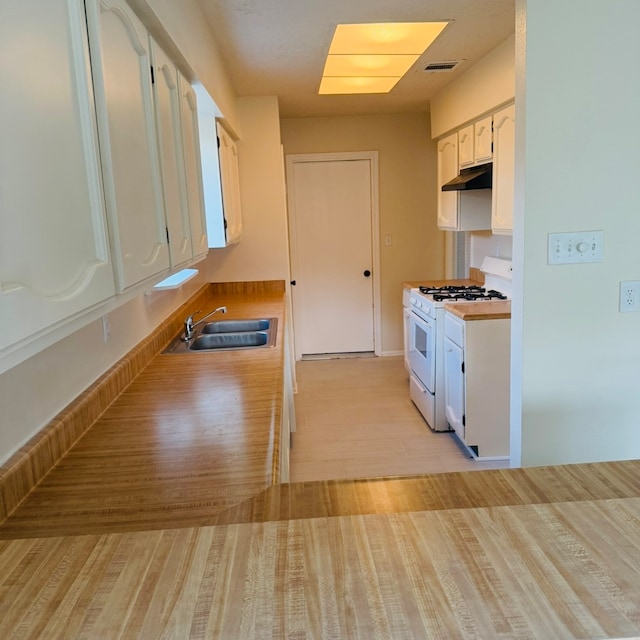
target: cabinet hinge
218 139
167 229
153 77
462 367
464 420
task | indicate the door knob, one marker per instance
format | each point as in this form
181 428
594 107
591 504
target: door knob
367 273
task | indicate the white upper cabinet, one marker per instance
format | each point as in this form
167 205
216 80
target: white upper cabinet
465 146
503 170
124 105
172 158
447 170
54 250
192 165
474 143
230 179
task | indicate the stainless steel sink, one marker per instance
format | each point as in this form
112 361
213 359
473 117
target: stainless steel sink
228 335
242 340
234 326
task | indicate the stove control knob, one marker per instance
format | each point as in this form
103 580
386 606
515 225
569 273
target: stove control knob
582 247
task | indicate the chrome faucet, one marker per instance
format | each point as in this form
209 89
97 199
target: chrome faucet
190 325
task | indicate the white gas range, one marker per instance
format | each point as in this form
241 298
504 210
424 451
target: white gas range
426 334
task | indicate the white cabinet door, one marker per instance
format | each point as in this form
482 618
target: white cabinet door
482 140
230 179
54 251
192 164
447 170
169 130
465 146
503 170
454 387
124 104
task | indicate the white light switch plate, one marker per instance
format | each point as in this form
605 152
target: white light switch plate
574 247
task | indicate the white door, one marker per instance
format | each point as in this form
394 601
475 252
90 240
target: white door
331 205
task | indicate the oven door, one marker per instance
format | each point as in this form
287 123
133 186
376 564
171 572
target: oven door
422 343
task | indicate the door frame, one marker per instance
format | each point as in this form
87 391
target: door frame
372 157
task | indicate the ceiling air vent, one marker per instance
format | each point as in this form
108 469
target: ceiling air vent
442 66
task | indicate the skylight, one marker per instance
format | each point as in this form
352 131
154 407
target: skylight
371 58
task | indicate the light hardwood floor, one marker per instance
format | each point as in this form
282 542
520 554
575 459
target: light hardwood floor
355 419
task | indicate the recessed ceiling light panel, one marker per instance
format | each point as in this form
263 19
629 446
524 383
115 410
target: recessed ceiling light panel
385 51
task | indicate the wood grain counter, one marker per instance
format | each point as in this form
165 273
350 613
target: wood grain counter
483 310
192 435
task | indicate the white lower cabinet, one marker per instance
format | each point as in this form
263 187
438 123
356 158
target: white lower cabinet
121 67
288 420
477 379
54 249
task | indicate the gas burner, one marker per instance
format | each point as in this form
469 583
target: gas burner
452 289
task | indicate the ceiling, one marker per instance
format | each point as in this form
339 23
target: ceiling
278 47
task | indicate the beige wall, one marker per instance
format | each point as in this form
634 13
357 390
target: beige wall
407 175
487 85
262 253
575 373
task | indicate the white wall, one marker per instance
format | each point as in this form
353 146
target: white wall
262 253
487 85
407 196
575 375
484 243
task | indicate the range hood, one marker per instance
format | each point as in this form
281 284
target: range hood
472 178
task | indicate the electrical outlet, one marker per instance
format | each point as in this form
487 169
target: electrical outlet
629 296
106 328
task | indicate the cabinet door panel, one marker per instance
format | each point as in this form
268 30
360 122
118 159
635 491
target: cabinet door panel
454 387
503 170
193 174
230 180
168 122
447 170
54 252
124 103
483 138
465 146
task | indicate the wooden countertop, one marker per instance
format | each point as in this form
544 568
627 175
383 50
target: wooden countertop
192 435
484 310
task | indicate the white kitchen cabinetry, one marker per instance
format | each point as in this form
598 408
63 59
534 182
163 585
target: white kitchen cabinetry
406 315
54 249
459 210
124 105
447 170
503 171
172 158
192 166
477 354
474 143
230 179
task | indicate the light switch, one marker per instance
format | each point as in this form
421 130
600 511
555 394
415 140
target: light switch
388 241
575 247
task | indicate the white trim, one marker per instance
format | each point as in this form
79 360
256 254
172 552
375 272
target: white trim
372 156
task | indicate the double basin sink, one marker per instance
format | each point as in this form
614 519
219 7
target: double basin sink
225 335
